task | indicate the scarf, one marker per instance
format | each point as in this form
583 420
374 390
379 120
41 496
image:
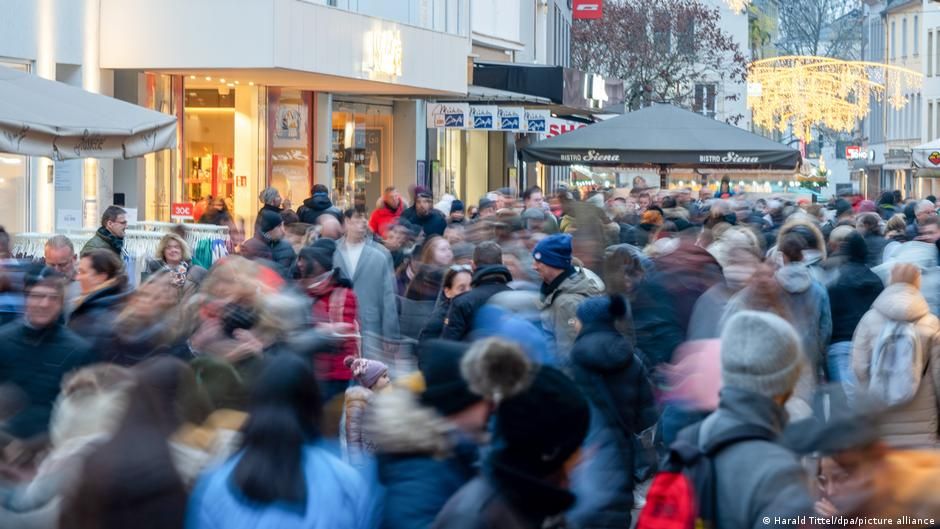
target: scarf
178 273
548 288
116 242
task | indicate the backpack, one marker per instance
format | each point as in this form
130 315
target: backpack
684 494
897 364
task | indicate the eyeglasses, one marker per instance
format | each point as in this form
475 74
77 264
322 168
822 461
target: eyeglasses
461 268
39 296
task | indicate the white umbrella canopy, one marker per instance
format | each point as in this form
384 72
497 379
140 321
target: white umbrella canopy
39 117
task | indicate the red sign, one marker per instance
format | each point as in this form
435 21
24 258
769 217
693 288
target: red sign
587 9
853 152
181 210
557 127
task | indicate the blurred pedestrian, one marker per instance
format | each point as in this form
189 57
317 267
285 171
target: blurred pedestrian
317 204
371 376
387 212
269 244
490 277
59 254
423 215
174 256
457 280
105 292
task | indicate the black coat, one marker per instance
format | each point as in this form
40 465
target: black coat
315 206
433 223
34 361
435 325
93 318
487 281
616 384
850 297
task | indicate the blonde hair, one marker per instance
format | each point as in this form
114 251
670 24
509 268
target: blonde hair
184 246
896 223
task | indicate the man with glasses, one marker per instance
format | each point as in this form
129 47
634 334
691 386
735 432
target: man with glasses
59 255
110 236
38 351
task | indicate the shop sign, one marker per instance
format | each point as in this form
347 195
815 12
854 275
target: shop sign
181 210
934 158
448 115
590 156
730 158
483 117
855 152
512 119
537 120
898 157
587 9
557 127
382 53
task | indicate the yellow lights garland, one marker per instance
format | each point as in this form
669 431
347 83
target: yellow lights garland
738 6
803 92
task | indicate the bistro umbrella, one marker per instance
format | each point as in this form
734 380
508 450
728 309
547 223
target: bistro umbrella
664 136
39 117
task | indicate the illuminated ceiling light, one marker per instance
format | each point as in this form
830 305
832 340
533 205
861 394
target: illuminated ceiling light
231 85
803 92
236 82
208 78
251 83
738 6
193 77
222 80
10 160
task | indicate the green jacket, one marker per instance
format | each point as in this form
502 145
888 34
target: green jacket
98 243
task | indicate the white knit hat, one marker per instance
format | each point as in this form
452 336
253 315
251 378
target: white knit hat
760 352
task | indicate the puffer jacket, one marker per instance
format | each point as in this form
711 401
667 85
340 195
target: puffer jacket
559 308
914 424
487 281
754 478
317 205
358 445
422 460
94 315
924 256
384 216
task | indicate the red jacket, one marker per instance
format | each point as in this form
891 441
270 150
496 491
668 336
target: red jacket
384 216
335 302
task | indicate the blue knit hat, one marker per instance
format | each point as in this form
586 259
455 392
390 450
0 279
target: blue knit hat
456 205
554 251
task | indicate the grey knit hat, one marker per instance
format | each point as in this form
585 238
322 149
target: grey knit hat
760 352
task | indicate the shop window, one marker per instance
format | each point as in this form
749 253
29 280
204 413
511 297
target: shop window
13 182
362 150
290 143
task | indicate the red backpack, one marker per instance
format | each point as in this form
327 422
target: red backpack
683 495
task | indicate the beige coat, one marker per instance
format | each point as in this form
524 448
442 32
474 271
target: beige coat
914 424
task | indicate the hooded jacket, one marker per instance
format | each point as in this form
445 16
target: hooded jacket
384 216
622 405
317 205
559 309
924 256
915 423
433 223
487 281
754 478
686 273
422 460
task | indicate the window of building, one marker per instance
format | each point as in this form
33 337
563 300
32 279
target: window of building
685 36
930 54
704 100
916 35
894 54
930 121
904 38
662 33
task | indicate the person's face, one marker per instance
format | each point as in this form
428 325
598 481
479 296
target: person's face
391 198
644 201
173 253
535 200
442 254
382 382
423 206
218 204
923 215
929 233
453 236
685 196
395 239
456 216
461 284
118 225
703 194
87 277
153 298
831 478
356 227
487 212
43 305
62 260
547 273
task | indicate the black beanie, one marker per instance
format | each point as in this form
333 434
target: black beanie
269 220
320 251
537 430
445 388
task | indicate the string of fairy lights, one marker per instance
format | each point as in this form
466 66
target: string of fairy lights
801 92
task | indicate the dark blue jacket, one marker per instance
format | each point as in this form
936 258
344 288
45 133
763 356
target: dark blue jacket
433 223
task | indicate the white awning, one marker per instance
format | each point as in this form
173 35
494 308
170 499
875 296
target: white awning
39 117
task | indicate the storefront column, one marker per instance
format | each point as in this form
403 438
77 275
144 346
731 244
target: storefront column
410 143
246 185
322 138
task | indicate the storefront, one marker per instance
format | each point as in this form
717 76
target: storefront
14 171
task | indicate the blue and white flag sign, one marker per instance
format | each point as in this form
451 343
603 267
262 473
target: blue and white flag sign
484 117
512 119
448 115
537 120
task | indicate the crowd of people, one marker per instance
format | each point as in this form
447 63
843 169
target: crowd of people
527 361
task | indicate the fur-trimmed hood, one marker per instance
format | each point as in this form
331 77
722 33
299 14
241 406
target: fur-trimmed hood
399 424
798 221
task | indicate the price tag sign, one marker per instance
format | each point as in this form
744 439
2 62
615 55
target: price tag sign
182 210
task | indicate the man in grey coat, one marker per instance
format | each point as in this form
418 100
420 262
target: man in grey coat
760 484
369 265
